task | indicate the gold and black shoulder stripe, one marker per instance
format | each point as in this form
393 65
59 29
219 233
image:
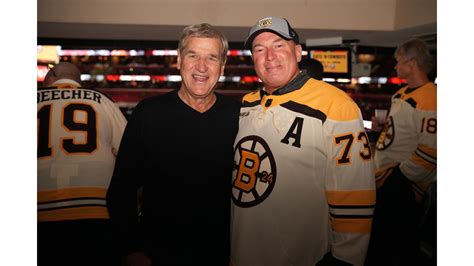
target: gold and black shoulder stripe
251 99
304 109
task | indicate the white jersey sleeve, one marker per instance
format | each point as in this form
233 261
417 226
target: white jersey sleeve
350 182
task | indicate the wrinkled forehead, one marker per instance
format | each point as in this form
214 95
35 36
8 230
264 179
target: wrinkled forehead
196 42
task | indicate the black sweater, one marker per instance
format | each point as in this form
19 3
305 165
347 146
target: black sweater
183 159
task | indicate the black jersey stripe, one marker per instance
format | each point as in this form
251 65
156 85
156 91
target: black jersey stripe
351 216
351 206
410 90
304 109
70 199
426 154
72 206
411 102
426 157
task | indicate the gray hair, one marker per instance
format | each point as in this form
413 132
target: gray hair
203 30
418 50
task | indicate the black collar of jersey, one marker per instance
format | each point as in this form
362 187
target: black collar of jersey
409 90
293 85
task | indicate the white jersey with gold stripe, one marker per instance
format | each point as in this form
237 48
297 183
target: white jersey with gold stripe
79 130
303 182
409 135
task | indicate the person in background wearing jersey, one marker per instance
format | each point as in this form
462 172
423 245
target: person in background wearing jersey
178 148
303 187
79 132
405 160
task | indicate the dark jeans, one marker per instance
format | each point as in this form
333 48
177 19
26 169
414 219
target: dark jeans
395 229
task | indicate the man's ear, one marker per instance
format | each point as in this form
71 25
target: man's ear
222 68
178 65
298 52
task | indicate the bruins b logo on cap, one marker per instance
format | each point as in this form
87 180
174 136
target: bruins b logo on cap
265 22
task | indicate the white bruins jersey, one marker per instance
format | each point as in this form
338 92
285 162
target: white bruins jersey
303 183
79 130
409 137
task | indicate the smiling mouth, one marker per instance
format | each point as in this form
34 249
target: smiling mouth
199 78
272 68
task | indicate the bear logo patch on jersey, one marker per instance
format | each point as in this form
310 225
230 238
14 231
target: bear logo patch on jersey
255 172
387 135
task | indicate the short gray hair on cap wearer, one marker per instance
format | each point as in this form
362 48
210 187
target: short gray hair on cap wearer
279 26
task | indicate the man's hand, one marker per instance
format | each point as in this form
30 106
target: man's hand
375 125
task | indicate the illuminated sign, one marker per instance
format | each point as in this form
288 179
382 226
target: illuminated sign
48 53
336 61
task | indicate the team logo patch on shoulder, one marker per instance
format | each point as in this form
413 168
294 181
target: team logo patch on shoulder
255 170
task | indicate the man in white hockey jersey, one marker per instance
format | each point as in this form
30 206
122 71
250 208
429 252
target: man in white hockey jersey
79 132
405 159
303 187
